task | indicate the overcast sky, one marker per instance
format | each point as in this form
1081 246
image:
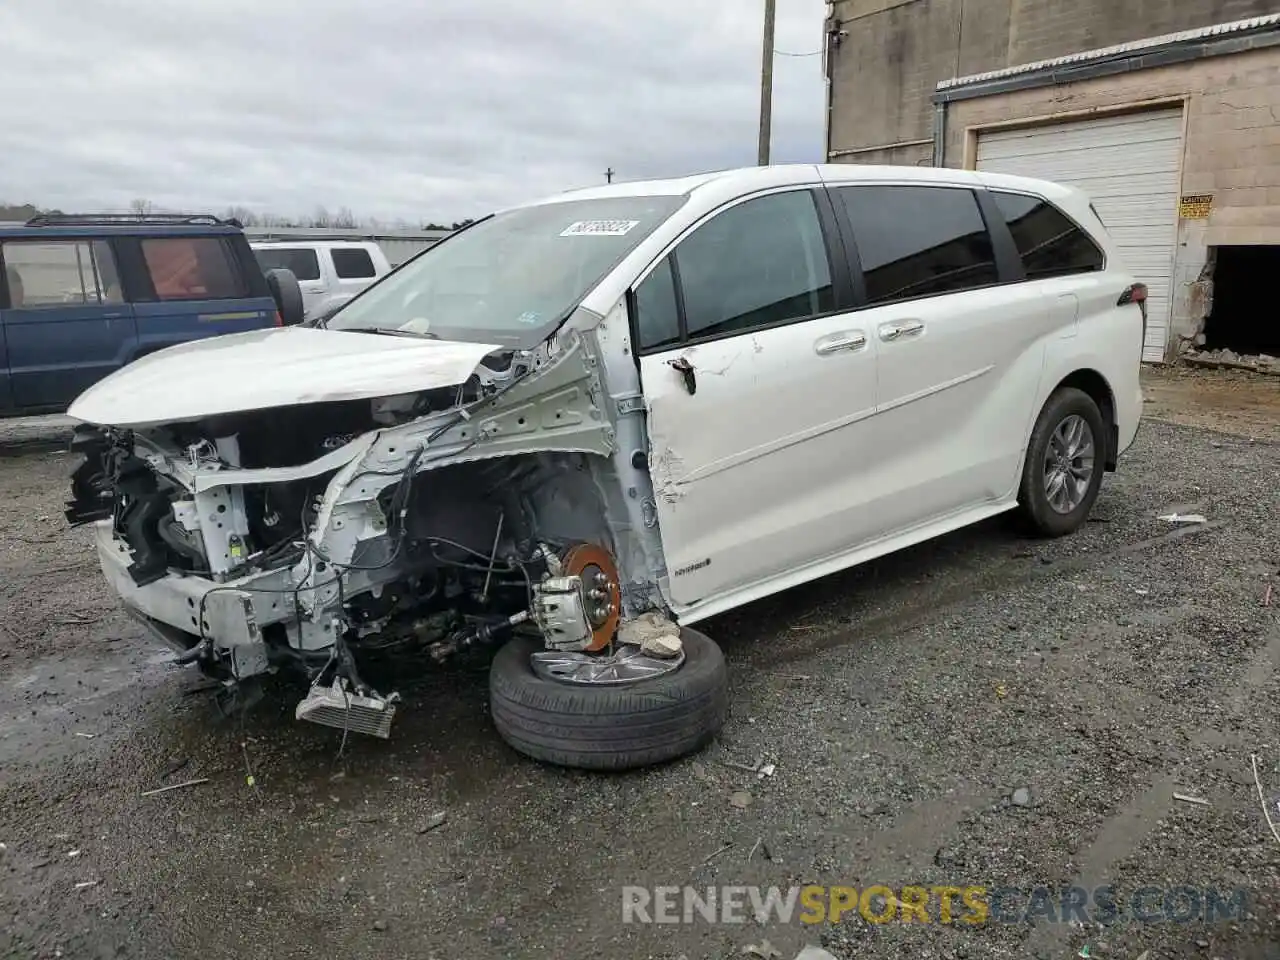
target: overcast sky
436 109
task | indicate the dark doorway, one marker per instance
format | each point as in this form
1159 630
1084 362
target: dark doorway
1244 318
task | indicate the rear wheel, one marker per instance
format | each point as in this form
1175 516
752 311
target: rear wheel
617 715
1064 465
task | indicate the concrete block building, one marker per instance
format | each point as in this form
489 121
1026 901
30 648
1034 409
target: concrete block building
1167 112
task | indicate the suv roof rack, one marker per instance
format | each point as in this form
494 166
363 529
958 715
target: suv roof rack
124 219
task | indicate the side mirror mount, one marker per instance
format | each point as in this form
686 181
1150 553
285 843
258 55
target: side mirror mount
287 294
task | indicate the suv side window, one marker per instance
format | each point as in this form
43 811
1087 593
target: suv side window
192 268
1050 244
758 264
919 241
300 261
60 273
353 264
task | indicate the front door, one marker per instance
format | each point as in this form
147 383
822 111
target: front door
759 386
66 324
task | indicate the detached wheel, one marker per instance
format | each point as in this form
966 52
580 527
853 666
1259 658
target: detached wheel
1064 466
593 714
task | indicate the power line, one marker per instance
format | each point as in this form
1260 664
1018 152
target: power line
784 53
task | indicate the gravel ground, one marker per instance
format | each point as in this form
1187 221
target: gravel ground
906 704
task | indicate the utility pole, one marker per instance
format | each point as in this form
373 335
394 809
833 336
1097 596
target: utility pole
766 83
608 175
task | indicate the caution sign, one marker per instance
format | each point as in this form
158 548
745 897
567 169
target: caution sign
1196 207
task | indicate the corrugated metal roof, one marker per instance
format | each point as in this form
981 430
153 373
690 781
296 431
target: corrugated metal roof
1119 50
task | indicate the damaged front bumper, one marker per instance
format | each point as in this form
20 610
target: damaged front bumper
432 533
183 611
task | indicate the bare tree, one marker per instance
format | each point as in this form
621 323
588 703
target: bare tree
141 207
345 219
246 216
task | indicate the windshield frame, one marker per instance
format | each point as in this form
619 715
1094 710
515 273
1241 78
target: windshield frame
509 337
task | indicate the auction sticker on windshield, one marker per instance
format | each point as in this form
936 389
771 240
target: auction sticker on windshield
599 228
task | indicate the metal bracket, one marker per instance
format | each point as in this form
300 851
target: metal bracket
632 404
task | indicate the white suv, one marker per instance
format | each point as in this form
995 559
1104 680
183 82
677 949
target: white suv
579 426
330 272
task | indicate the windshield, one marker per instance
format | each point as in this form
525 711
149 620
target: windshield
512 278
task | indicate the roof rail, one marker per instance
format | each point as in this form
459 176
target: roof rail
124 219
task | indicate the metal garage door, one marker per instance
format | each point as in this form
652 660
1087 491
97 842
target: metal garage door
1129 166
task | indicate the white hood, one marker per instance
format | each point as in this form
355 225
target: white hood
272 368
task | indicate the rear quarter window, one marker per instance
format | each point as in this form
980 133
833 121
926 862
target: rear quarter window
353 264
1050 243
192 268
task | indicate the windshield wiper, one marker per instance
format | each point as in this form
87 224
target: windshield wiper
394 332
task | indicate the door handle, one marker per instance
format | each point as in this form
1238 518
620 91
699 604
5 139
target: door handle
848 342
896 331
683 367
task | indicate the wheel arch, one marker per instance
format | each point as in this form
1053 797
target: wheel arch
1094 384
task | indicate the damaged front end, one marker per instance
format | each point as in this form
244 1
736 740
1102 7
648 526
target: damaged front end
321 538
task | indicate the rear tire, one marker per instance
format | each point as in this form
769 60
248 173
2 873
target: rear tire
1070 437
607 727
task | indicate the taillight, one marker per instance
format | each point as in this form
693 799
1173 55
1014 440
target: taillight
279 320
1136 293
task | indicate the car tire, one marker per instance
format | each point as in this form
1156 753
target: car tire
1037 510
609 727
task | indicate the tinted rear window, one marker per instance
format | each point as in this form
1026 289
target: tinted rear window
193 268
919 241
1051 245
353 264
303 263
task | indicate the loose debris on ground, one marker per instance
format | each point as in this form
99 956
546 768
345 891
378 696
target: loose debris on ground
1230 360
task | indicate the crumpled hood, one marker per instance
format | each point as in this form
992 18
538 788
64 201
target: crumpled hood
272 368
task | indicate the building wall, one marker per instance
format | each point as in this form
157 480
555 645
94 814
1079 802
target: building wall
892 54
1231 150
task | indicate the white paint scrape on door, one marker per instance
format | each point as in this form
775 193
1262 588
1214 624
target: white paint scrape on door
1129 166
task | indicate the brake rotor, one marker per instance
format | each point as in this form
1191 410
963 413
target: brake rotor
600 583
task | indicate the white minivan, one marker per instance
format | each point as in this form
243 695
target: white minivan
329 272
578 427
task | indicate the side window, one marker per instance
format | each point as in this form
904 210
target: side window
192 268
353 264
919 241
762 262
60 274
1049 243
657 317
300 261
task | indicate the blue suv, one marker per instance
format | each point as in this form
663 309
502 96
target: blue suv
81 296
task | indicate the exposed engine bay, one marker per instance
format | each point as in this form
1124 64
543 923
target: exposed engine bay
317 537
